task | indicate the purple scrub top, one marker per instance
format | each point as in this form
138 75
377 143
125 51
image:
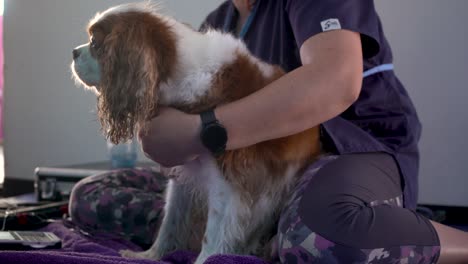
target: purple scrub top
383 119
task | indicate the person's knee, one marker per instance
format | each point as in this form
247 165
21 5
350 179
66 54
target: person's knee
336 203
83 198
340 217
325 239
323 227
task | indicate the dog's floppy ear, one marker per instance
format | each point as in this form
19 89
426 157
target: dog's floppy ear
136 58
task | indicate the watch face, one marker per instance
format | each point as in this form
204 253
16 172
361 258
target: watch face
214 137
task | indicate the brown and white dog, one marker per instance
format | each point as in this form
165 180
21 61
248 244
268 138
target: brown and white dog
138 59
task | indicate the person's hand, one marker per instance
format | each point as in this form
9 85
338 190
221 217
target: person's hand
172 138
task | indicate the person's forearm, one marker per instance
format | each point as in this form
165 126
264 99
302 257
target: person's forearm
298 101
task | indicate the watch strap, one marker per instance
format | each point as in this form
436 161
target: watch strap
216 144
208 117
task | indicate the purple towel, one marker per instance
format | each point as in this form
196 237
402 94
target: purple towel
80 249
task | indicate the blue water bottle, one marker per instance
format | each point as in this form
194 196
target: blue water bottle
123 155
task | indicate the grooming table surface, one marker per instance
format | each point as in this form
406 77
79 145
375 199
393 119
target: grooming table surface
80 249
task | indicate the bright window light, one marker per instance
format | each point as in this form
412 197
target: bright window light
1 7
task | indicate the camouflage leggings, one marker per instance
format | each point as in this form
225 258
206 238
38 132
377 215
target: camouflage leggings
331 218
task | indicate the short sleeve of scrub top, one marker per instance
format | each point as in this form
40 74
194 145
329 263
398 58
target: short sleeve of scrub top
310 17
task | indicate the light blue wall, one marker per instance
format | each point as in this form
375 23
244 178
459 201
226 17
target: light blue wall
430 40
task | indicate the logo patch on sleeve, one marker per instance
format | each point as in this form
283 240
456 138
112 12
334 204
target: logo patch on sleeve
330 24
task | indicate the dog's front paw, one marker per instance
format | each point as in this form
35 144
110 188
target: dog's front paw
148 254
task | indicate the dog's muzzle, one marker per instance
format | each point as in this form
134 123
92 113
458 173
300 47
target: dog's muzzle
85 66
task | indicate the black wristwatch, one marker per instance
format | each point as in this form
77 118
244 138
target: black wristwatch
213 135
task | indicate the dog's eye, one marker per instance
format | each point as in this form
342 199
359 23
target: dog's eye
93 43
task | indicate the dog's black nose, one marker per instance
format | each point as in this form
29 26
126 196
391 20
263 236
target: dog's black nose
76 53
